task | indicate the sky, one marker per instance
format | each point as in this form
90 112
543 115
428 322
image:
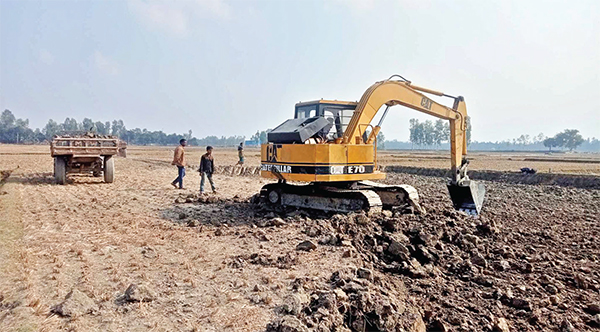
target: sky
232 67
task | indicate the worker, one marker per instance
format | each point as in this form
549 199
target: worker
179 161
240 154
207 167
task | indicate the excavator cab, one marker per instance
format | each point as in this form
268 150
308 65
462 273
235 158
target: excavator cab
338 113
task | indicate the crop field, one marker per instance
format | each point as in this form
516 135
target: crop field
139 255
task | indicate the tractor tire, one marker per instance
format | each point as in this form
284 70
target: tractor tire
60 170
109 169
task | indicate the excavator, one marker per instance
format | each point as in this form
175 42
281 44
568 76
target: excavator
329 153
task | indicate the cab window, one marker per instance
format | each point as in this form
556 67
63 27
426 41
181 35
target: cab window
307 111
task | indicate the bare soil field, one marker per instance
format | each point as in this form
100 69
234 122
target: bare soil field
568 163
138 255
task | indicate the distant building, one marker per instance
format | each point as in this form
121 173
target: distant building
251 143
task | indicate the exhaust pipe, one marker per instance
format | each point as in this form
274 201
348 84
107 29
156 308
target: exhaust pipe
467 197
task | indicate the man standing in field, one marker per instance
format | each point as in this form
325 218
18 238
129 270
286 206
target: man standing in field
179 161
240 154
207 167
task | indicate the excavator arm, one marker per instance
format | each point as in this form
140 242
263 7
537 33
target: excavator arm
392 93
466 195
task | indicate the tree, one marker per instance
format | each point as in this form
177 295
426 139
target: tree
381 141
539 138
52 128
523 139
428 132
447 132
38 135
570 139
255 137
70 125
439 132
263 137
88 125
550 143
7 120
416 132
100 129
118 128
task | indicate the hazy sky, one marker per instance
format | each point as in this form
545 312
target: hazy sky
231 67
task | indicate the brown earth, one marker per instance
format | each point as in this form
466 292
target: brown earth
570 163
137 260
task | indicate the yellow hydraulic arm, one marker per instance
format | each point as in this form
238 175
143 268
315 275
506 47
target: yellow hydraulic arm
403 93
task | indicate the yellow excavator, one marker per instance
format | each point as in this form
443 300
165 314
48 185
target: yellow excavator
329 151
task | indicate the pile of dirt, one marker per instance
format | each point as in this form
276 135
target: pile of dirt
530 262
351 300
207 198
507 269
282 262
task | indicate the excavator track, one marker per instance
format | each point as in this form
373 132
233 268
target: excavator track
358 196
392 196
320 197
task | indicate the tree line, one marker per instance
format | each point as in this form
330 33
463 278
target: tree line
436 135
15 130
429 133
424 135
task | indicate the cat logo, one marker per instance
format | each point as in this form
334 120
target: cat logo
426 102
272 152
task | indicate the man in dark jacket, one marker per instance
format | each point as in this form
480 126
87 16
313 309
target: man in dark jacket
207 167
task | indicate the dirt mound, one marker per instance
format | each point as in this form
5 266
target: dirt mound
351 300
206 198
468 274
75 304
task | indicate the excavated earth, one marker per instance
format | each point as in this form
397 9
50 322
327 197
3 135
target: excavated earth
530 262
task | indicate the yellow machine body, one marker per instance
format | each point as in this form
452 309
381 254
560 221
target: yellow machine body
319 162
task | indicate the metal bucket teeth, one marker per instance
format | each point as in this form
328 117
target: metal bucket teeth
468 198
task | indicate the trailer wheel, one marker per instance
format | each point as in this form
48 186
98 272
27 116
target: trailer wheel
60 170
109 169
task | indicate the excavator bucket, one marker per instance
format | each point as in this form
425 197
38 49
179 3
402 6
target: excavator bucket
467 198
